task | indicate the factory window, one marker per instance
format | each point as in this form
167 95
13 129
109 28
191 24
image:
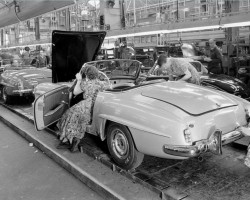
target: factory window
129 40
243 3
148 39
137 40
153 39
143 40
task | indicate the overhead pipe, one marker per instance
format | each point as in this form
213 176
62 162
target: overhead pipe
23 10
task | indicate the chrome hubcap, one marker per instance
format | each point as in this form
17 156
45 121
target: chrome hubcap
120 144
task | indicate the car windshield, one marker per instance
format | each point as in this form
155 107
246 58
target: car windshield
118 67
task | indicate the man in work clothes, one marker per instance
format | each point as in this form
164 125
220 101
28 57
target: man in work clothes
214 59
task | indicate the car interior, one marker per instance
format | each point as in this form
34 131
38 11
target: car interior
197 65
121 73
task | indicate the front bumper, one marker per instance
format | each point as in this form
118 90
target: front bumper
213 144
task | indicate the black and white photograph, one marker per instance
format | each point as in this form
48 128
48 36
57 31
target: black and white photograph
125 99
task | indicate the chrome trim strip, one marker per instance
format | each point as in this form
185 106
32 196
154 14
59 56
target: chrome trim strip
22 91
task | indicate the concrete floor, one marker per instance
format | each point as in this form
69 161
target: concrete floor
26 173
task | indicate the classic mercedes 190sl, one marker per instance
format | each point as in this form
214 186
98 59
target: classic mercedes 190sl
20 81
160 118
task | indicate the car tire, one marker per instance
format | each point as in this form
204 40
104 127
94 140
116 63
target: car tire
5 97
121 147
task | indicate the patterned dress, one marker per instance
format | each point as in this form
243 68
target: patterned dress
74 121
178 67
159 71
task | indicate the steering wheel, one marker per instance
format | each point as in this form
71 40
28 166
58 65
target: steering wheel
102 74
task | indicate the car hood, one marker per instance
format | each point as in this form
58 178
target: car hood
227 83
194 100
27 74
70 50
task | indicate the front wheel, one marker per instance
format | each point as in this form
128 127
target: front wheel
121 147
5 97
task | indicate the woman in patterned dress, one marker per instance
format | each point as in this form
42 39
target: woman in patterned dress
182 70
73 123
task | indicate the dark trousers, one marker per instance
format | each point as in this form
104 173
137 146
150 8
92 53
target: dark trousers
215 70
245 78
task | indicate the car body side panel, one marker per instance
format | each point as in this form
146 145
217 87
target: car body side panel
151 144
140 113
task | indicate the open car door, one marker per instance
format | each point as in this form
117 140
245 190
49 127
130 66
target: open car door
49 107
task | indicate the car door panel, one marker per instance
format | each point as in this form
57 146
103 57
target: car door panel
49 108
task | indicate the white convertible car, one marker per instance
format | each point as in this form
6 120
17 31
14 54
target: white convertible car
171 120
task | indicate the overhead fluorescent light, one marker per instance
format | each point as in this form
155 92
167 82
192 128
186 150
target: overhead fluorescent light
238 24
230 25
163 32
